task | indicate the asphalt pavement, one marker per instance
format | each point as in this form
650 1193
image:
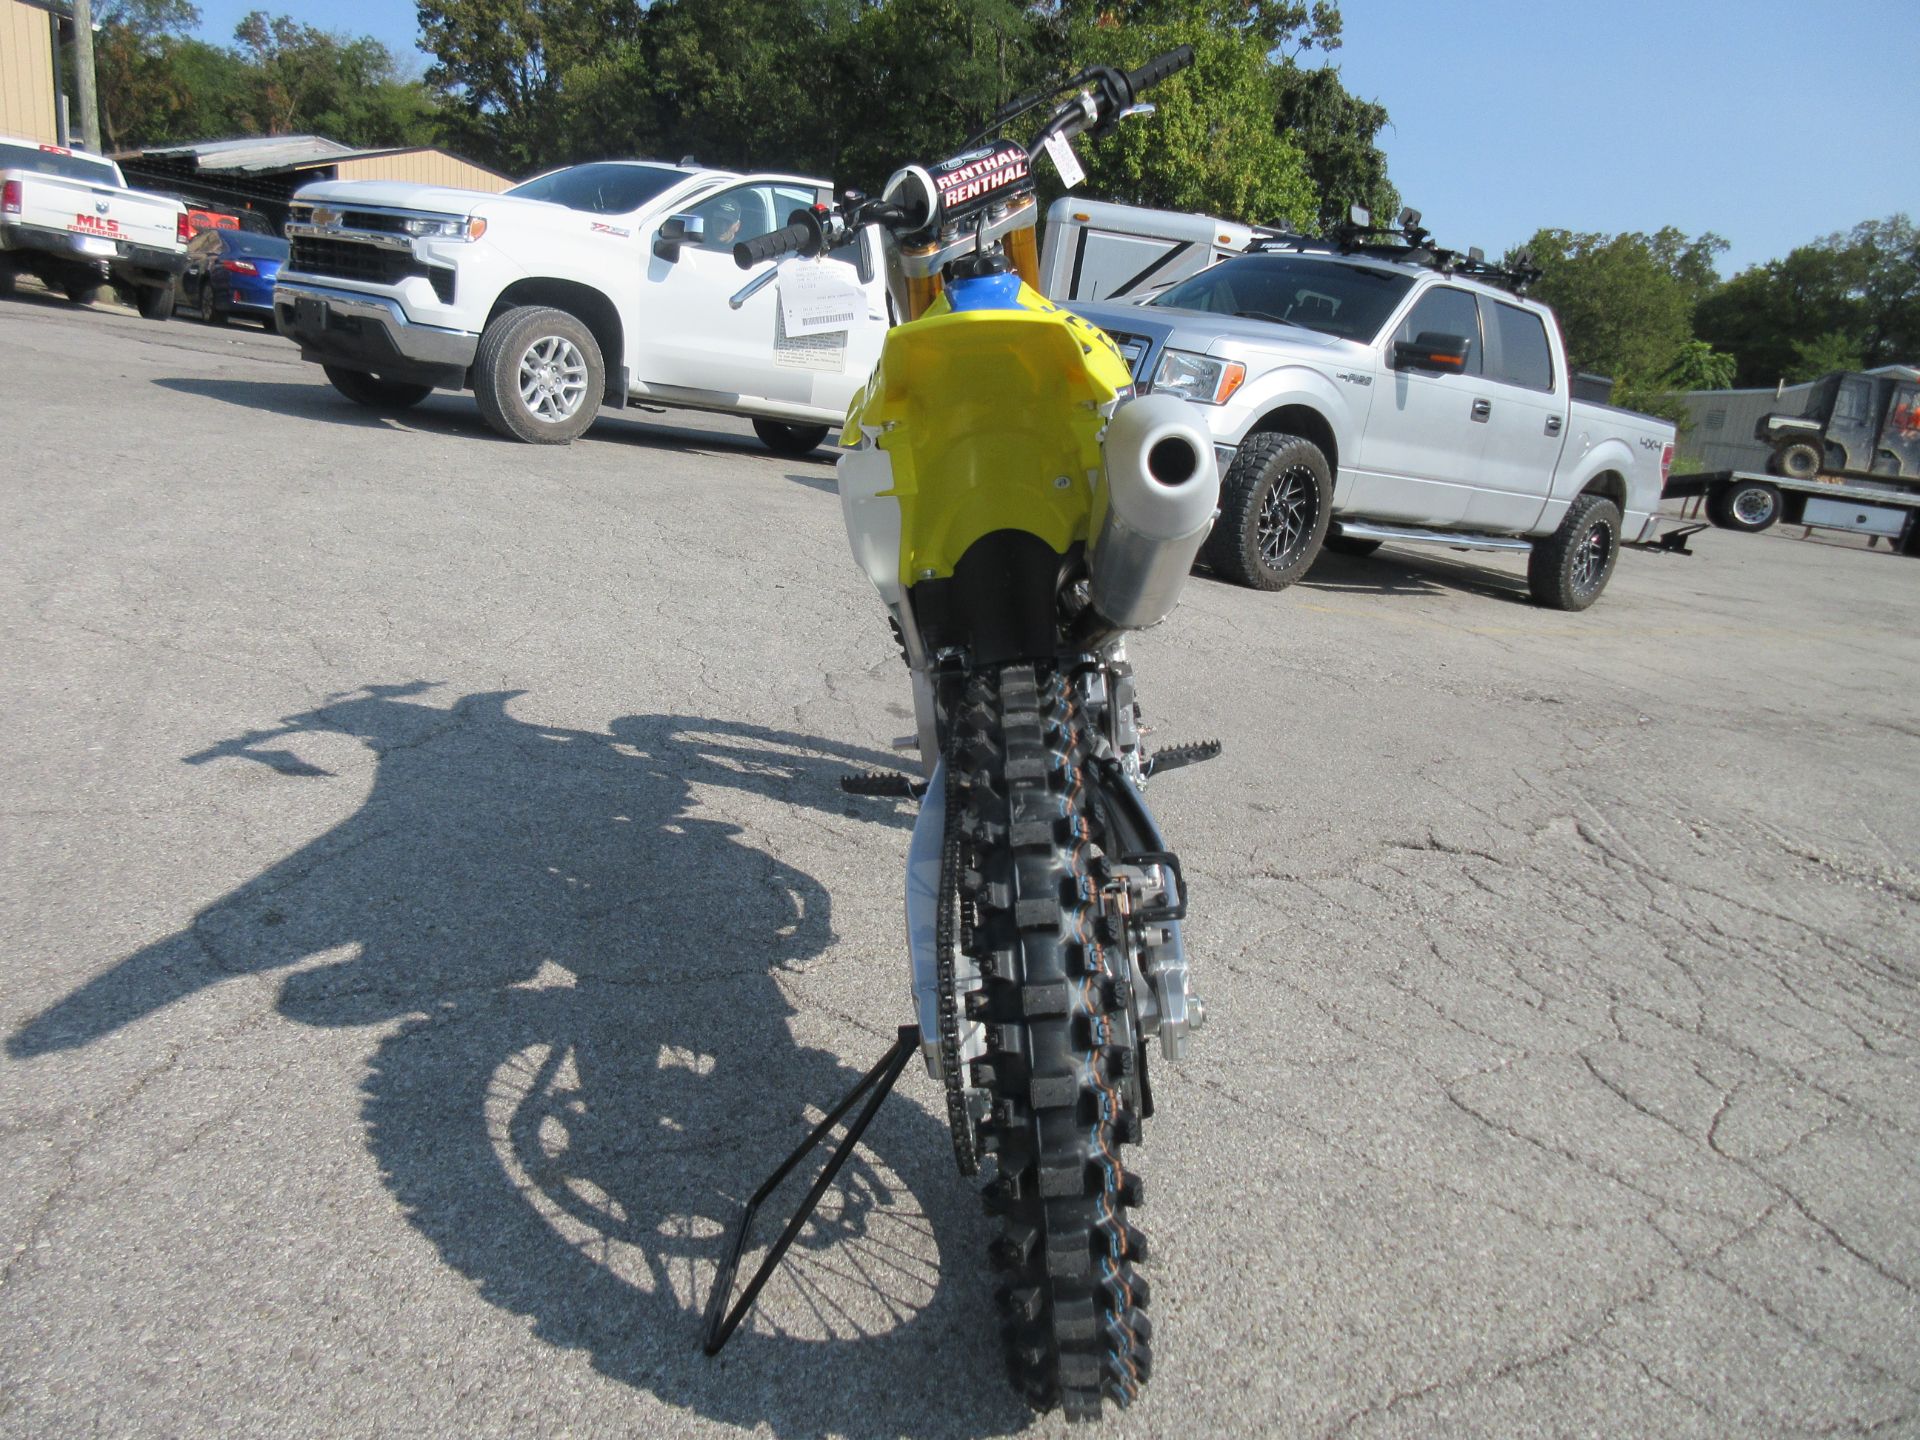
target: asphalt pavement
427 907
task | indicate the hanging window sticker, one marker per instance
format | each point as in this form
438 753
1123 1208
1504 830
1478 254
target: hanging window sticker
816 297
1060 151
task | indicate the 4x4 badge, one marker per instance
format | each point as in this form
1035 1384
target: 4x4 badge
1355 379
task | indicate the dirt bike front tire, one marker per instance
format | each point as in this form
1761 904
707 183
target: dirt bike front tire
1062 1054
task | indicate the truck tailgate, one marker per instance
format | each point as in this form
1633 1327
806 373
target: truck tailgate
98 212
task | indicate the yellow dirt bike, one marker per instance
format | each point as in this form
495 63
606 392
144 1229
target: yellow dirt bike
1019 510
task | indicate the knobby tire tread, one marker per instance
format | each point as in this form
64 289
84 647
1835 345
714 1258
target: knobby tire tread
1061 1054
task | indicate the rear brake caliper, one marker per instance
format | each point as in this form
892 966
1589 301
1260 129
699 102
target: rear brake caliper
1144 898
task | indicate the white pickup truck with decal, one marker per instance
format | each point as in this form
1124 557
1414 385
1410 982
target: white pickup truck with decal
68 219
601 284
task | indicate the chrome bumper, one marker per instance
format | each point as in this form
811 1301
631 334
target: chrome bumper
377 329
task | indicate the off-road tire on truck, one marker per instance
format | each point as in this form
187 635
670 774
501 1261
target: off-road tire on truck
538 375
1062 1062
1275 505
389 397
81 292
154 302
6 279
1569 569
1749 505
784 438
1798 460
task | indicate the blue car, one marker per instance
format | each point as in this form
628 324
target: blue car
231 272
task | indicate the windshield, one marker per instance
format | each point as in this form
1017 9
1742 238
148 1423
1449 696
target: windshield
89 168
1350 301
606 188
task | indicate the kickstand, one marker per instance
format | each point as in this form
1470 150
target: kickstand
720 1322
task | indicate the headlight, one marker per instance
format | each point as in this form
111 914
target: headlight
460 227
1199 377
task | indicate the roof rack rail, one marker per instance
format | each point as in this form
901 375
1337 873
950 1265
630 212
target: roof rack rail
1406 242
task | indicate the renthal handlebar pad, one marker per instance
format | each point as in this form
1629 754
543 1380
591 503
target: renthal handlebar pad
804 235
1159 68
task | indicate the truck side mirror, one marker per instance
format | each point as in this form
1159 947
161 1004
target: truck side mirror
678 230
1446 354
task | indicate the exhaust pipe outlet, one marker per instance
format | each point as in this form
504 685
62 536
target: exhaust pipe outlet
1163 487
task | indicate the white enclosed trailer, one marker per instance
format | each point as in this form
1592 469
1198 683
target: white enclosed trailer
1095 250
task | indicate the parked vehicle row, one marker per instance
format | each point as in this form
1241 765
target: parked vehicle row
1369 388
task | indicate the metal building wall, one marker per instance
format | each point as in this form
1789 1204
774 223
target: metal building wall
26 73
1721 436
423 167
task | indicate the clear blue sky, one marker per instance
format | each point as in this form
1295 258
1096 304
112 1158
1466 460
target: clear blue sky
1772 122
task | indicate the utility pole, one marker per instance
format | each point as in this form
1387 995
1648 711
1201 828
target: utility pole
83 73
61 134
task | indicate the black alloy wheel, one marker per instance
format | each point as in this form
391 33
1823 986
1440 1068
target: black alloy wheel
1569 569
1275 505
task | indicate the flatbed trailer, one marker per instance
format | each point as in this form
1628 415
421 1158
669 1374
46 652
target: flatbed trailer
1750 501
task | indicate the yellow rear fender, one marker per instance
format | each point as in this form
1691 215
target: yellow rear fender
991 421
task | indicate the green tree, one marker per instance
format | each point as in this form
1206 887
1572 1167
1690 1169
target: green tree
1848 301
502 66
1337 133
158 85
1213 145
911 80
1822 356
1625 304
1698 366
138 89
308 81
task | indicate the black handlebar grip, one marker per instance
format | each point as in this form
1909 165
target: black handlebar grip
1159 68
749 253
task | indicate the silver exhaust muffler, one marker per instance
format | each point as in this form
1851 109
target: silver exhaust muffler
1162 492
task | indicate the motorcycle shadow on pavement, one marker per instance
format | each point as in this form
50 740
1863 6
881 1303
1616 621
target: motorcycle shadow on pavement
586 1061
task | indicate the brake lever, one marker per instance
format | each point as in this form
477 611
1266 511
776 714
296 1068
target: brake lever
754 286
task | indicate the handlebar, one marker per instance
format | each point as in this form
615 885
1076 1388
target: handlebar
804 234
1158 69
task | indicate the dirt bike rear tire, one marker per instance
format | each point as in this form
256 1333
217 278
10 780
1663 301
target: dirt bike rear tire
1062 1057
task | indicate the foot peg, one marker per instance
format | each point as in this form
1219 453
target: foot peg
1172 757
898 787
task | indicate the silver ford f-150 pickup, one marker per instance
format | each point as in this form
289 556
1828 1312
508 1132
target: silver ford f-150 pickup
1364 393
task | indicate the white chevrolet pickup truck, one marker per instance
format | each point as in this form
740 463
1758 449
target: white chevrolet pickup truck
600 284
1362 392
68 219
